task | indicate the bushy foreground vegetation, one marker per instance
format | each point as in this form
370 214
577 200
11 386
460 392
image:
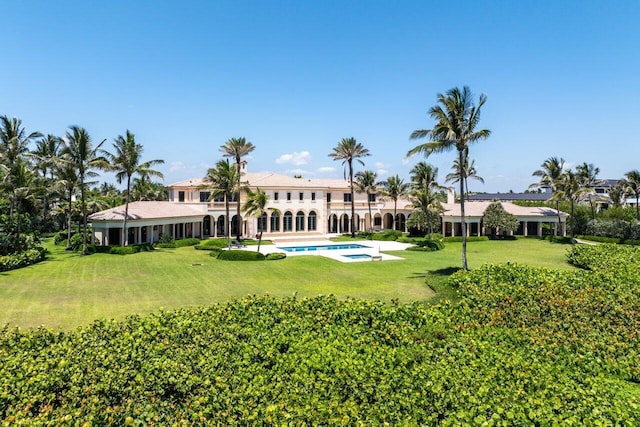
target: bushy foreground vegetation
522 346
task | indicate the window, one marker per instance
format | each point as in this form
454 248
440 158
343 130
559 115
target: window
328 197
262 222
377 221
288 220
234 197
275 195
275 222
301 196
372 198
311 220
313 196
288 195
300 221
347 197
181 196
204 196
219 198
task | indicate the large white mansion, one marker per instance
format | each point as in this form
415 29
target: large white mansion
303 208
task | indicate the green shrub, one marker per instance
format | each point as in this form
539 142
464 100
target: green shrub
427 246
275 256
131 249
214 252
22 259
233 255
387 235
171 245
191 241
211 244
61 237
469 239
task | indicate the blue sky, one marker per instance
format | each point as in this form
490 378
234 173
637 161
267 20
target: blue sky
294 77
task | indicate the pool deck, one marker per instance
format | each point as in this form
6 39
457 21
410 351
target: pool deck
374 248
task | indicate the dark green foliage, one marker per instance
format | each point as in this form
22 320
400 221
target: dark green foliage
211 244
426 245
214 252
191 241
499 220
469 239
232 255
76 241
387 235
25 258
60 237
275 256
128 250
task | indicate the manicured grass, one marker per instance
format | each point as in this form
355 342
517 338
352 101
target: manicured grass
69 290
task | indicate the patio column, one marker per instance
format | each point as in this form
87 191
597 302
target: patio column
539 229
525 228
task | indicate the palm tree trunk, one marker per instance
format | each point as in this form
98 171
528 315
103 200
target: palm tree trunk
559 220
126 213
238 199
259 240
353 208
68 248
84 220
227 222
370 218
462 218
395 210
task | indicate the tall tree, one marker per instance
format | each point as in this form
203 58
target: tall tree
588 176
348 150
83 155
618 193
366 183
14 143
67 183
46 155
223 180
457 117
632 179
550 174
570 189
126 162
425 201
256 205
237 148
394 188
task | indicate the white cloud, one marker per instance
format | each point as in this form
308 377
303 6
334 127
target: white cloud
406 160
382 172
380 165
295 158
181 167
326 169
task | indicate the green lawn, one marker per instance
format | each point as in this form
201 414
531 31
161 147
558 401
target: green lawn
69 290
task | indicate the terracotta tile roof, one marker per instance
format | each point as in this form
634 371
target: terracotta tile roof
150 210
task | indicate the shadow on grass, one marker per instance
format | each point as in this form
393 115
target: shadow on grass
447 271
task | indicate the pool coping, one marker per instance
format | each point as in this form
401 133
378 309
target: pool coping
374 248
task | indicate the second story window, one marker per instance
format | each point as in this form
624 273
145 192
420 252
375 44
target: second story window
275 195
347 197
288 196
372 198
181 196
204 196
219 198
313 196
328 197
301 196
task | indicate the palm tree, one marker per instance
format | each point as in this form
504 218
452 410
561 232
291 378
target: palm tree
588 176
570 188
366 183
256 205
551 177
21 184
67 183
125 162
618 193
394 188
223 180
14 143
84 157
428 204
456 117
467 171
237 148
632 179
46 155
348 150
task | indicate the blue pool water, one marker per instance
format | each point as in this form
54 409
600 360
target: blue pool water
322 247
357 256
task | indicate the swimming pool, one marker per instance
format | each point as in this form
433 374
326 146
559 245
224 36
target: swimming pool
322 247
357 256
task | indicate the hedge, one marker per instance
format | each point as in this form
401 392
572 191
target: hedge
22 259
233 255
469 239
275 256
211 244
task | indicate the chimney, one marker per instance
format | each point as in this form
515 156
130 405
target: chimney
451 195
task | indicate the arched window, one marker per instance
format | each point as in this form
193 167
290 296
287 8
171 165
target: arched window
220 231
262 222
275 222
288 221
311 221
300 221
